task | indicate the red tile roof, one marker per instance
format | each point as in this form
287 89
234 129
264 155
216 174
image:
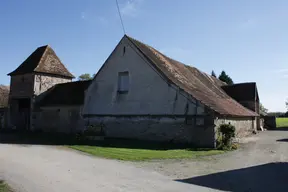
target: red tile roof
201 86
43 60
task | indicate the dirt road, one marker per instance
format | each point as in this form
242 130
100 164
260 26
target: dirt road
260 165
30 168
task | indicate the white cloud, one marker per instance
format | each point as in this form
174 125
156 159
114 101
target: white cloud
130 7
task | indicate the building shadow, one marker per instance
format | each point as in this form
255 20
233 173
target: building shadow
30 138
279 129
282 140
266 177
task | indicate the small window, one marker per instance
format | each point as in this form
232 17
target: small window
124 50
123 82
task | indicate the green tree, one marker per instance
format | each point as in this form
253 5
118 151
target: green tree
85 77
225 78
262 108
213 74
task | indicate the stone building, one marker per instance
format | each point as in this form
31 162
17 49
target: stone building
140 93
61 106
29 83
4 95
247 95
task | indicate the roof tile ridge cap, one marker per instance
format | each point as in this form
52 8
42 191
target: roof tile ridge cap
42 57
165 60
213 83
59 60
67 71
154 51
199 81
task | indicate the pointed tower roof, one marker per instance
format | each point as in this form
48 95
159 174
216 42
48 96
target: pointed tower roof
43 60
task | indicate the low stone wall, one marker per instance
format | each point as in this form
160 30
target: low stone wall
243 126
58 119
164 129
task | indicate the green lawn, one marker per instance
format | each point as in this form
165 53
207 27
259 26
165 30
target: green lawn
129 154
282 122
4 187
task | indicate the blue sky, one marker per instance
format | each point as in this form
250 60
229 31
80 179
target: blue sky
248 38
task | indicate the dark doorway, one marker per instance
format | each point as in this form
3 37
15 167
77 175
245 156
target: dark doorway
24 107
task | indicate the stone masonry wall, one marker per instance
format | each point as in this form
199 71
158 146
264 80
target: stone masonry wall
164 129
22 85
148 92
45 82
59 119
244 126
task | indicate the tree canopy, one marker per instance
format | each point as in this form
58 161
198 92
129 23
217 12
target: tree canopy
225 78
213 74
262 108
85 77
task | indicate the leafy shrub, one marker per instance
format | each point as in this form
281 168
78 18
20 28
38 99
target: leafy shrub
93 130
226 133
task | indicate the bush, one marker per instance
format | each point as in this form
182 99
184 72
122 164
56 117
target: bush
93 130
226 133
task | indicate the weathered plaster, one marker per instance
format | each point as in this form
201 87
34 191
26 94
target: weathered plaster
44 82
148 92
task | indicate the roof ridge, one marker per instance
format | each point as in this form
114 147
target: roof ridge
244 83
194 82
43 54
43 60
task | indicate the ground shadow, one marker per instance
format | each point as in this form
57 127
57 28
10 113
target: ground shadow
267 177
282 140
68 139
279 129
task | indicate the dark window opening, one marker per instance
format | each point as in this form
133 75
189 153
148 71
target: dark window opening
124 50
123 82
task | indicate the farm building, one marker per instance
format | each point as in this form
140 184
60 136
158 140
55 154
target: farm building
61 107
29 83
247 95
4 95
140 93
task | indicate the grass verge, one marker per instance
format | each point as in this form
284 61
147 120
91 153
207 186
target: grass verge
281 122
4 187
128 154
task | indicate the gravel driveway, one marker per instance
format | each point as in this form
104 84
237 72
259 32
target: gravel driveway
30 168
260 165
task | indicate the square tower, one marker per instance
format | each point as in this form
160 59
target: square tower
39 72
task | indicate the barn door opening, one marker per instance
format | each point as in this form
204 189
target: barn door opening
24 111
